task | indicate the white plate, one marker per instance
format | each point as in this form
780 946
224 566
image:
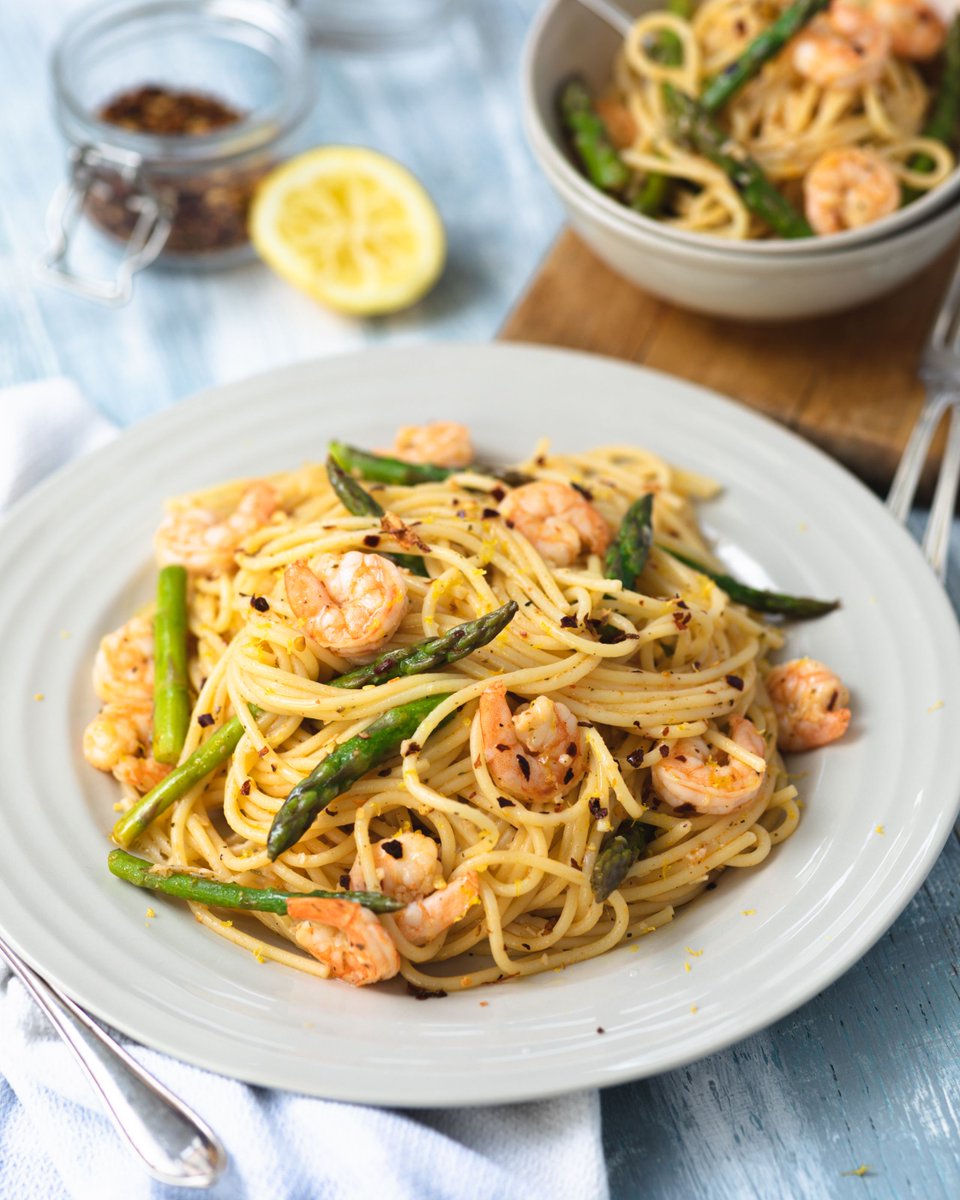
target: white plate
75 557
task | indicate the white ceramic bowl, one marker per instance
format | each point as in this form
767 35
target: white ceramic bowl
761 280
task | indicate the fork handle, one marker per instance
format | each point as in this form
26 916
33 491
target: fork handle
171 1141
936 540
905 482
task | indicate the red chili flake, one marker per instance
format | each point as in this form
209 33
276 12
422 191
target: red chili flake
412 748
664 751
572 749
735 682
584 492
504 802
345 881
597 811
371 540
600 1029
681 758
635 758
208 210
393 848
501 747
509 524
498 493
681 619
462 513
260 603
540 460
419 993
263 751
524 766
682 604
569 775
204 720
833 700
574 864
489 513
245 787
568 622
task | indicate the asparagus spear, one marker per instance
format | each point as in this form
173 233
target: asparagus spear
799 607
618 852
381 469
693 125
171 695
765 46
358 501
942 123
205 759
342 767
589 139
408 660
185 886
627 553
432 653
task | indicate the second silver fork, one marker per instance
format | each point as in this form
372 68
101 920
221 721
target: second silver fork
940 372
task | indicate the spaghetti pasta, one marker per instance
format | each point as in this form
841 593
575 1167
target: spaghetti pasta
647 676
803 103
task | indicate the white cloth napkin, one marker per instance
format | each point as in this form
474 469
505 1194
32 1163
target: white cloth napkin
54 1141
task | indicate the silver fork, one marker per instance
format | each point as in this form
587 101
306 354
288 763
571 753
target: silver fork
173 1144
940 372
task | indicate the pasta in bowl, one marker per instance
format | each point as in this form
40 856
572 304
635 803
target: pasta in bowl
417 715
749 119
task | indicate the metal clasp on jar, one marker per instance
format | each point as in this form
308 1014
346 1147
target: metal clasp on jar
92 169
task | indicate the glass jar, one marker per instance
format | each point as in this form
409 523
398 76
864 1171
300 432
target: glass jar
373 24
178 198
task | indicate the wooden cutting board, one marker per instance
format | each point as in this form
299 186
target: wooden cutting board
847 382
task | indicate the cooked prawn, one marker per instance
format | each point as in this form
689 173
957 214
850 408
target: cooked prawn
833 59
123 667
712 781
618 121
810 703
407 866
557 520
849 187
206 542
915 28
118 740
351 603
346 937
408 869
423 920
444 443
535 754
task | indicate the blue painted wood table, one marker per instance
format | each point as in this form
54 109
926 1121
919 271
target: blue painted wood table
867 1074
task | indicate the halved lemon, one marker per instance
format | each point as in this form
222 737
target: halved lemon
351 227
